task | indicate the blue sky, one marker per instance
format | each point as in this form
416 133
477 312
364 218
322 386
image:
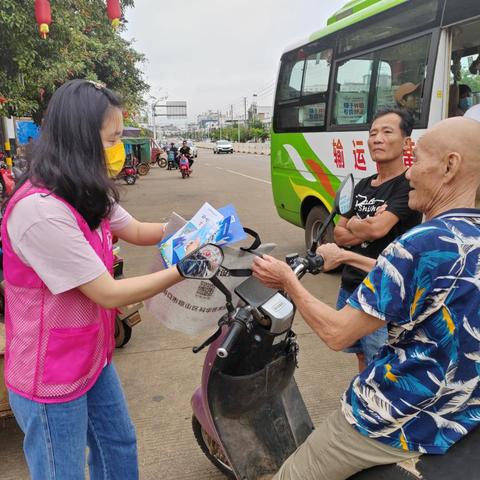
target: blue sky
213 53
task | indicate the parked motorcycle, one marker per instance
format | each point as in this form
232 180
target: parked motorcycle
7 182
128 316
248 413
129 171
157 156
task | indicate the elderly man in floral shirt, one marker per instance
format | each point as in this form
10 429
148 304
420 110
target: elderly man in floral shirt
421 393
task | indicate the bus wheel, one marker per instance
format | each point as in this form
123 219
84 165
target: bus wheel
315 219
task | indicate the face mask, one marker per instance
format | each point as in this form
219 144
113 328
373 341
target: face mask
466 103
115 159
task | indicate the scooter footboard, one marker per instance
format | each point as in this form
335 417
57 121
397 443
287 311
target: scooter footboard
243 393
257 441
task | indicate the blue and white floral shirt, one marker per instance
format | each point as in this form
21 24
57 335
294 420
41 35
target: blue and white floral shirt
422 391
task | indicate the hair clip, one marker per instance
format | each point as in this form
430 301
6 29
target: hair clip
97 85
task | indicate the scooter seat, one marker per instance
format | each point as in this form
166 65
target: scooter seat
462 461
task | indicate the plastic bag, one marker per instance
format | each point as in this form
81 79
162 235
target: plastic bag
194 306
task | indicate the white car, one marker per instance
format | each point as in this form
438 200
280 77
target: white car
223 146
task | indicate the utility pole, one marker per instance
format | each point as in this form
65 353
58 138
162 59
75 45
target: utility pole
245 108
153 122
220 123
254 108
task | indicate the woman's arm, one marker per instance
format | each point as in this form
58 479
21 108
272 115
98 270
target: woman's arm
111 293
142 233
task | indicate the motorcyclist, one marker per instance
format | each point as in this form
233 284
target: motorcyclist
419 394
173 154
187 151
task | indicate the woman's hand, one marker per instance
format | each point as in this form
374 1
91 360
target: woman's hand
272 272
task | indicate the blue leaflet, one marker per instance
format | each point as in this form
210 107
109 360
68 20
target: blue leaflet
234 232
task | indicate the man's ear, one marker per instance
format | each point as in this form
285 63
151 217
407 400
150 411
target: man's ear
452 163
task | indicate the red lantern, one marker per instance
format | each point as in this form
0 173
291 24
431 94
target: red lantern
114 12
43 15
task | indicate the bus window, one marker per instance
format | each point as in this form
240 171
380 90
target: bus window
317 71
312 115
465 69
291 79
400 76
405 19
458 10
351 91
287 118
298 107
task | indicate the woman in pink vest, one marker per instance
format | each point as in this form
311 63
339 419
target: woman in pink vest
61 296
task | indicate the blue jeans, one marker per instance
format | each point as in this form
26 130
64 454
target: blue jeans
370 344
57 434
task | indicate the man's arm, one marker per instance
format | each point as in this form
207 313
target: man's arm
372 228
338 329
334 256
343 236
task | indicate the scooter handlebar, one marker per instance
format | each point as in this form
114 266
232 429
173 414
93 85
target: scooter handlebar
232 336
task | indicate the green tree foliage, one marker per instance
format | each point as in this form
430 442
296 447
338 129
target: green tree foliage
81 44
473 81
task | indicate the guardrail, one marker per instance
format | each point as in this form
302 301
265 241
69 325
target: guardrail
252 148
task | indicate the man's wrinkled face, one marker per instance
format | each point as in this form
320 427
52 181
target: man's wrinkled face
425 175
386 139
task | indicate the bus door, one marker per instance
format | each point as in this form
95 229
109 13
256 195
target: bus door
462 27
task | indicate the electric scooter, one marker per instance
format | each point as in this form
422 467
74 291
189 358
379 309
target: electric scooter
184 166
248 413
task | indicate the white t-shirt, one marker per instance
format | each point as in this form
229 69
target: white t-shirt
45 235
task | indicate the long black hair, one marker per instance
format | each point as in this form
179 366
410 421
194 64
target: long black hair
68 158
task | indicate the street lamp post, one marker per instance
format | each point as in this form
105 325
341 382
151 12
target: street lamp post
153 122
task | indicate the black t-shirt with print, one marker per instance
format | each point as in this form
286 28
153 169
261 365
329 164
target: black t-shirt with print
185 151
367 200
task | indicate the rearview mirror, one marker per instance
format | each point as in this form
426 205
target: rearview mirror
203 263
344 196
343 204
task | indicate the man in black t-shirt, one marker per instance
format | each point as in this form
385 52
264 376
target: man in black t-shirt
187 151
380 212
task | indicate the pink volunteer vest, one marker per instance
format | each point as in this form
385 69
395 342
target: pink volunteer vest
56 345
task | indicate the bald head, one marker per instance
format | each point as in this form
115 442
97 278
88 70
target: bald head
446 172
457 135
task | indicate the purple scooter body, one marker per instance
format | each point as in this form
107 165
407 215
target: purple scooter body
199 399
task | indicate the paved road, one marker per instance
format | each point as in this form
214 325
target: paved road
158 369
